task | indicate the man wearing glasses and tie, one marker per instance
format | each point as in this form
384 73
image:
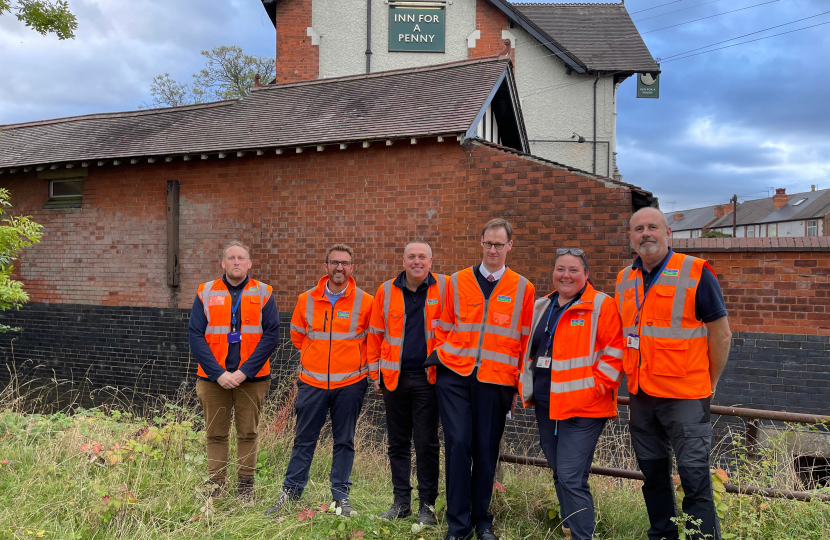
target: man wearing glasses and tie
329 327
480 342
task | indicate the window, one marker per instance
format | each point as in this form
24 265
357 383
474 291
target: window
750 231
812 227
65 193
799 201
695 234
772 228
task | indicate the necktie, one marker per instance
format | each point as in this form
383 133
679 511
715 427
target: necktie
490 278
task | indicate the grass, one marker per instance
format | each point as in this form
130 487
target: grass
53 484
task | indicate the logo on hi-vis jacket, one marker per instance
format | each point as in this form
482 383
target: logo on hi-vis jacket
577 322
342 314
253 288
503 298
432 301
670 273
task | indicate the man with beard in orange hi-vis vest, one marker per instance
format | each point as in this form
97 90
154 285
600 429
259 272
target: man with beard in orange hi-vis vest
677 342
329 327
405 313
233 330
480 342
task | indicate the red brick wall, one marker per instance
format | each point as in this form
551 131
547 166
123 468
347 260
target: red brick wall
490 21
290 208
297 58
770 284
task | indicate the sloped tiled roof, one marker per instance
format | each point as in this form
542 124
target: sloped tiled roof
757 211
693 219
601 36
442 99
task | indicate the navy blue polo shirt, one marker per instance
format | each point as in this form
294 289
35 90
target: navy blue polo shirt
414 350
709 303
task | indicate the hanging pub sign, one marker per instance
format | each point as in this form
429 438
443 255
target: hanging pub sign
414 28
648 85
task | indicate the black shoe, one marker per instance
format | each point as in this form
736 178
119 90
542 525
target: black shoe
399 510
486 534
282 502
346 508
467 537
245 489
426 514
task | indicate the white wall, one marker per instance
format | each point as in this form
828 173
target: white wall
554 105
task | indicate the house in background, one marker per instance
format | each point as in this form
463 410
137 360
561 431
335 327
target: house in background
694 222
800 214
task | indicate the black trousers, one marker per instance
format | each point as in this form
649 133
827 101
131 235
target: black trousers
473 415
659 425
412 413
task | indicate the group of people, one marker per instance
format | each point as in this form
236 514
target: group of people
464 348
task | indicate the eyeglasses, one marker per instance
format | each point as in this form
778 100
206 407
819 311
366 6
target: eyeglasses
488 245
344 264
572 251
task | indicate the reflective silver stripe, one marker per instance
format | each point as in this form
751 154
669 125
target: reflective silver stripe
598 301
217 329
442 291
449 349
387 293
454 280
396 341
336 336
572 386
500 358
622 286
525 330
517 306
501 331
309 311
679 303
373 366
251 329
629 330
249 292
609 371
573 363
467 327
205 296
430 335
334 377
373 330
674 333
393 366
447 326
358 300
613 352
298 329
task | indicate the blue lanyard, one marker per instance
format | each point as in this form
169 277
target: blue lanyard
650 287
552 330
235 308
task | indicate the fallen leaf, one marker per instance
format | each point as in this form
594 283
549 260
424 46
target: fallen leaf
96 449
498 486
85 447
324 507
4 461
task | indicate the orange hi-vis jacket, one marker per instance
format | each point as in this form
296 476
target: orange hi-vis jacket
673 356
586 356
332 339
492 334
217 301
388 322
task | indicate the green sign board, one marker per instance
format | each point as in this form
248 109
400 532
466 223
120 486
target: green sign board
416 29
648 86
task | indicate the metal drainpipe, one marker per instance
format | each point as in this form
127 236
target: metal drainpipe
368 36
595 125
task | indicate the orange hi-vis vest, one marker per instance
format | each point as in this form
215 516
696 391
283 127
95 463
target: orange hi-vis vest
332 339
587 351
491 334
673 356
217 301
388 322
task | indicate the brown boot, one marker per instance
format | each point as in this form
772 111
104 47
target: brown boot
245 489
567 532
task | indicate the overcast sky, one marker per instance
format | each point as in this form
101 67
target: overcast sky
743 120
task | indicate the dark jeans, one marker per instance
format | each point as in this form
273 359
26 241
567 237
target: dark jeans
659 425
569 448
412 413
312 406
473 415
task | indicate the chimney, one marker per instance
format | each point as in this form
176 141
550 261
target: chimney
676 217
780 199
723 209
813 186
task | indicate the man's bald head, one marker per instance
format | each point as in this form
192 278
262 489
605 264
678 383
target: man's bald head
649 233
652 211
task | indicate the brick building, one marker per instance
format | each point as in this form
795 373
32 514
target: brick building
137 205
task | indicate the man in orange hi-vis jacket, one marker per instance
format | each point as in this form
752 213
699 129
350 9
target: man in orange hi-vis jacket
329 327
480 342
402 334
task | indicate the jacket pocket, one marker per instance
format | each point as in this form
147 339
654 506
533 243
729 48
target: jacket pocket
671 357
471 309
663 303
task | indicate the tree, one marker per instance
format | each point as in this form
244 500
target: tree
16 233
715 234
229 74
43 16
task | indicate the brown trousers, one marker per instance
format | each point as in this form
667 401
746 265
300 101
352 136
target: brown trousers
245 402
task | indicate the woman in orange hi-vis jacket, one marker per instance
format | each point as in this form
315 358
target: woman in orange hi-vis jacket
572 369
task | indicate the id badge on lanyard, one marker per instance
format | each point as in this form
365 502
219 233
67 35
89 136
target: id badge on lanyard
235 336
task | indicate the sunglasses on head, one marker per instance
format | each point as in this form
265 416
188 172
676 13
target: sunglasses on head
572 251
